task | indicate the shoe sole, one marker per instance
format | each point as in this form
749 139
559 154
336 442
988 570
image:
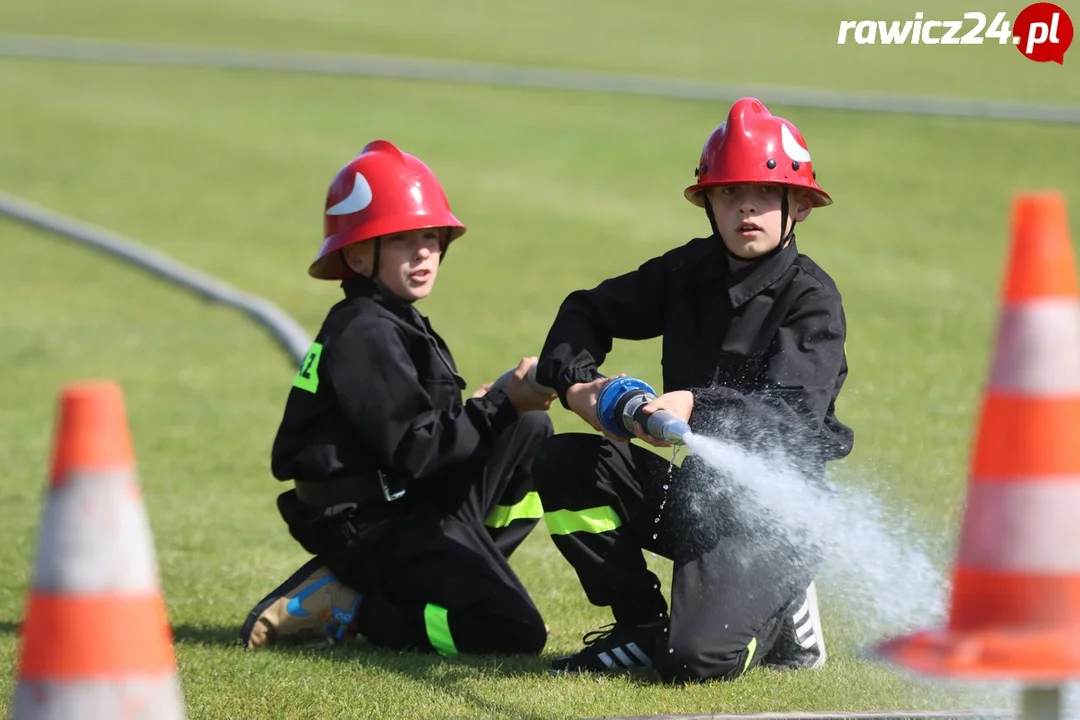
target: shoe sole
608 673
553 671
294 581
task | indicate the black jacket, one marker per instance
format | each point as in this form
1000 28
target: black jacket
761 348
380 391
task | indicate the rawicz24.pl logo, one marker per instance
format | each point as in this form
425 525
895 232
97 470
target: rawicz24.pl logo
1042 32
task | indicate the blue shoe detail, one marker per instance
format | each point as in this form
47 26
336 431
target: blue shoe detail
296 602
341 620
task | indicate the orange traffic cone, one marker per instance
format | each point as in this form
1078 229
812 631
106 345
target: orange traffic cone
1015 605
96 641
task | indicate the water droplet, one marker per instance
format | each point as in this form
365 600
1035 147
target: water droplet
665 486
654 536
671 650
656 520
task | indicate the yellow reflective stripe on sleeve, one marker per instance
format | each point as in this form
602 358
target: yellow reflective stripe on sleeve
528 508
591 520
307 377
750 649
438 630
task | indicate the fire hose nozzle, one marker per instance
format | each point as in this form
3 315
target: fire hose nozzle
621 404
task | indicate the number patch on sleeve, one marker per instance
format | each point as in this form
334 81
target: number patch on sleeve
307 377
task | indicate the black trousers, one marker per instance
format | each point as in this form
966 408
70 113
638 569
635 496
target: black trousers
732 576
432 567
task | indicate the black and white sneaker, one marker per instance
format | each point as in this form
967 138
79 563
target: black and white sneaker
613 649
801 643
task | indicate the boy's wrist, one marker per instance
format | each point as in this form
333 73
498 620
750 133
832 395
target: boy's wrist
505 412
571 377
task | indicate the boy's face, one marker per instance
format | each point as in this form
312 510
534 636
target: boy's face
408 261
748 216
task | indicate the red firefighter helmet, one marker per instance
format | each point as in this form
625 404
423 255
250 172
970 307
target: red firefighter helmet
755 146
379 192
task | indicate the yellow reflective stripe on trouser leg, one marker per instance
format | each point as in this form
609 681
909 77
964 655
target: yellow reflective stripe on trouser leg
528 508
591 520
750 649
438 630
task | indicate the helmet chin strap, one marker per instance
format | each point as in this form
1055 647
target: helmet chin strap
784 213
375 270
444 245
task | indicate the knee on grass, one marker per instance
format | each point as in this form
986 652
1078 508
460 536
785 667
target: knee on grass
688 661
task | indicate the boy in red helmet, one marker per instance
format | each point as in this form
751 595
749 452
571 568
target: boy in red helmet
753 352
410 499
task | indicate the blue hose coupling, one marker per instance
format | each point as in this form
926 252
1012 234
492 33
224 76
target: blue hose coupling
613 403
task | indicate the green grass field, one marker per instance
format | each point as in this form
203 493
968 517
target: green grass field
226 171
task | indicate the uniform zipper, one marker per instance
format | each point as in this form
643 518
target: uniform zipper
438 351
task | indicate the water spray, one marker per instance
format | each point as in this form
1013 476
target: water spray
620 404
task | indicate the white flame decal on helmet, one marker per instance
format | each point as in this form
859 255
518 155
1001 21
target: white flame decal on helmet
792 148
358 199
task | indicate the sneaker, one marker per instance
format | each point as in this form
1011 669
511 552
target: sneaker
613 649
311 607
801 642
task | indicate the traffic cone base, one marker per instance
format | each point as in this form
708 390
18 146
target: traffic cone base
130 699
1023 655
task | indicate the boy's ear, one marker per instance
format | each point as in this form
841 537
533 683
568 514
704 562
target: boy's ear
355 257
801 205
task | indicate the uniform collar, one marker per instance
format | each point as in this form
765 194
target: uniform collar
747 282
